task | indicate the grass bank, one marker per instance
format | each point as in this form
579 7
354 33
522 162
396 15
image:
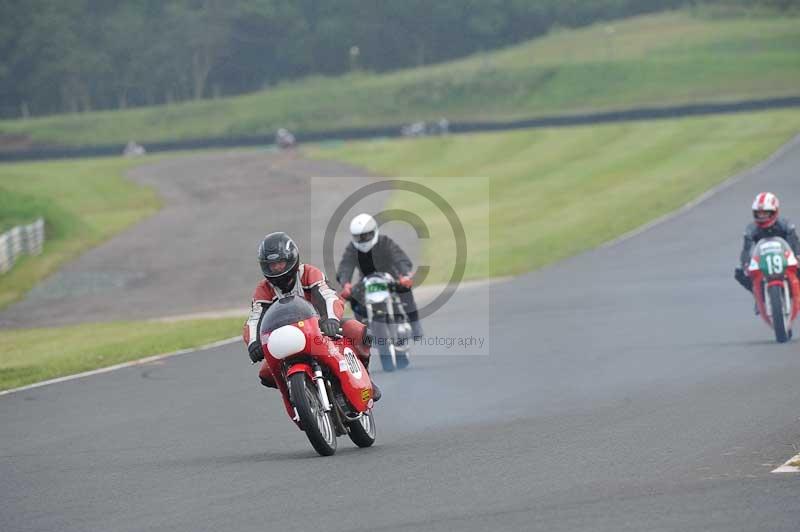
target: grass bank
655 60
34 355
83 202
556 192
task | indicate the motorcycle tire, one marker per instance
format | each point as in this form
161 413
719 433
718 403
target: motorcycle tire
776 305
385 355
362 430
316 423
401 360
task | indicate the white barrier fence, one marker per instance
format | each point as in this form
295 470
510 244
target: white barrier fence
18 240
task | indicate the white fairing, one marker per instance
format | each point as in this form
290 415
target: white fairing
772 245
285 341
377 297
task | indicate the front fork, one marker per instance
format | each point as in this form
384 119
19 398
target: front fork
391 325
322 390
787 299
325 393
315 372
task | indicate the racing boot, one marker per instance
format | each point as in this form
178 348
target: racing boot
364 355
266 376
376 391
358 337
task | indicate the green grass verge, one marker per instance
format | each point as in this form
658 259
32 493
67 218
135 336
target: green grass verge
83 202
664 59
33 355
556 192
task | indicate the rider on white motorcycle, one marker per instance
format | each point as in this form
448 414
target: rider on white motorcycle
372 252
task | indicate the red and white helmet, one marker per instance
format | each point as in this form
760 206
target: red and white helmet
765 209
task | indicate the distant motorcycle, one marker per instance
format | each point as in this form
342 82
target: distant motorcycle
385 317
326 390
284 139
773 270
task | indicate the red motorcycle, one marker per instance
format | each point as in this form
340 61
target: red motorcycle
326 389
773 269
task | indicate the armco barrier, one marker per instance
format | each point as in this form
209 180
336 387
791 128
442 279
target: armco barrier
28 239
625 115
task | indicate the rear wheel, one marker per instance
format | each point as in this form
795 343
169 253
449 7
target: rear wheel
362 430
316 423
776 302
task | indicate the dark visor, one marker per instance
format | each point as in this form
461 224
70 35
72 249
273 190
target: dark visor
364 237
272 268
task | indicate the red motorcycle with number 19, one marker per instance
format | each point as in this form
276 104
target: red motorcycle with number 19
773 270
326 389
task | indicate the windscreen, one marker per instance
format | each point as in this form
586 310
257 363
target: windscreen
285 312
770 245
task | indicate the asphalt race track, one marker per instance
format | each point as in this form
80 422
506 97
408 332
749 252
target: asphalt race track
630 388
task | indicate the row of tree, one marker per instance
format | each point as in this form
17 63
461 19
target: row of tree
80 55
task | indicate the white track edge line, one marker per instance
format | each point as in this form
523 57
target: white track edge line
786 468
707 194
132 363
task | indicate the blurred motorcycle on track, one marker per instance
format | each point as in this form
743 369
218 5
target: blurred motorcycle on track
376 303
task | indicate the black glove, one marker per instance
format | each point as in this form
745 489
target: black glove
329 327
743 279
256 353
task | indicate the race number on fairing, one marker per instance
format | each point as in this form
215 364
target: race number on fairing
773 263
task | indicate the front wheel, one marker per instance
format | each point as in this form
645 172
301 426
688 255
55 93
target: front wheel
386 354
316 423
382 336
362 430
777 305
402 345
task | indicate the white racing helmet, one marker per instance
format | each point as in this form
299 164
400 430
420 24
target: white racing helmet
364 230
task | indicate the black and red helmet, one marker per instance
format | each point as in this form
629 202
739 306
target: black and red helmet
279 259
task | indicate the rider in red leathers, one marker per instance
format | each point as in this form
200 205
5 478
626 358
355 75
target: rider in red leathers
285 275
